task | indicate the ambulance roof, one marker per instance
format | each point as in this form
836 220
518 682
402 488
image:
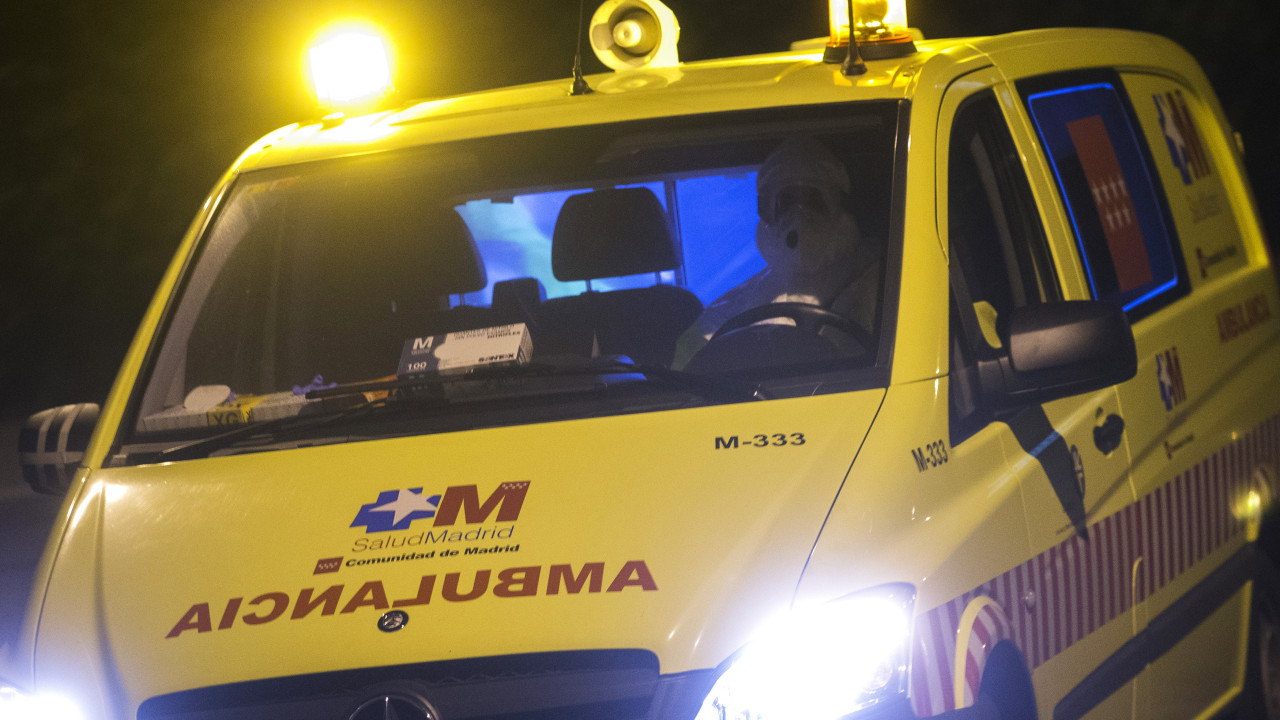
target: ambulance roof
743 83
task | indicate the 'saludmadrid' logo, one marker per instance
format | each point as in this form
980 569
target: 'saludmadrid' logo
397 509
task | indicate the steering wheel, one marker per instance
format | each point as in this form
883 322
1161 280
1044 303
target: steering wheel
809 318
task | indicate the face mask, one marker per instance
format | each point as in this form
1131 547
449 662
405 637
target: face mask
807 236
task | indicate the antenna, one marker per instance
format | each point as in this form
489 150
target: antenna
580 86
853 64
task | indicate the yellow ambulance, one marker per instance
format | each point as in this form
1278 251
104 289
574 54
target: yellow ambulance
900 378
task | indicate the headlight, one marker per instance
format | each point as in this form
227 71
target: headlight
17 705
821 663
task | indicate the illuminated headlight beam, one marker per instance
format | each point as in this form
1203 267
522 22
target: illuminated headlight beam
822 663
17 705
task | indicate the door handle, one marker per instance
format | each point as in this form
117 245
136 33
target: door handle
1106 437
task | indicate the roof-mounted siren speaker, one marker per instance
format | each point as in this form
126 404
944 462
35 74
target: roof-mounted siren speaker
628 34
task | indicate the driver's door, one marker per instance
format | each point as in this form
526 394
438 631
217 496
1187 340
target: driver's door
1070 602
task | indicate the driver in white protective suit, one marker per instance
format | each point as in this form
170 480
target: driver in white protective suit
810 242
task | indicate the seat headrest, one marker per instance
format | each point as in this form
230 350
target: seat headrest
528 292
446 255
610 233
401 249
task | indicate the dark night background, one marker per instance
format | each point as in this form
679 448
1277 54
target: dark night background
117 118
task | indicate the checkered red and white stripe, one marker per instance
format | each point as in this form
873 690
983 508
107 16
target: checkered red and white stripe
988 628
1063 594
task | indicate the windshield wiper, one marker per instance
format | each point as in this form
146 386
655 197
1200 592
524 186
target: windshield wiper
430 389
205 447
711 387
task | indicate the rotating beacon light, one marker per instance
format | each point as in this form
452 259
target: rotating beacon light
879 28
349 64
629 34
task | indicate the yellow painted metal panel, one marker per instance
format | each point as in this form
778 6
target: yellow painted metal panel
700 519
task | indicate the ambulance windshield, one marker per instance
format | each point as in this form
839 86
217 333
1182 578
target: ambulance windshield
495 273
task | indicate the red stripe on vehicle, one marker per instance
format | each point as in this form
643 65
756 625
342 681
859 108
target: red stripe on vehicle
1062 595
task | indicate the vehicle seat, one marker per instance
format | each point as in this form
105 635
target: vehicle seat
386 279
517 301
613 233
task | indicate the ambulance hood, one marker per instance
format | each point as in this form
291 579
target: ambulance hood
676 532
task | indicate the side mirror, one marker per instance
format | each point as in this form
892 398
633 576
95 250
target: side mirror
1059 349
51 446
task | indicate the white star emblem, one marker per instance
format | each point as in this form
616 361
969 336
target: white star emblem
407 501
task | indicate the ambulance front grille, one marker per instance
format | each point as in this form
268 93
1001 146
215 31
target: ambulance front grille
584 685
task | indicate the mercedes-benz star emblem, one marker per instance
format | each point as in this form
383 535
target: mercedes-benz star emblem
394 706
393 620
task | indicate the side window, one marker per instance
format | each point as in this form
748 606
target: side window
999 256
1103 172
